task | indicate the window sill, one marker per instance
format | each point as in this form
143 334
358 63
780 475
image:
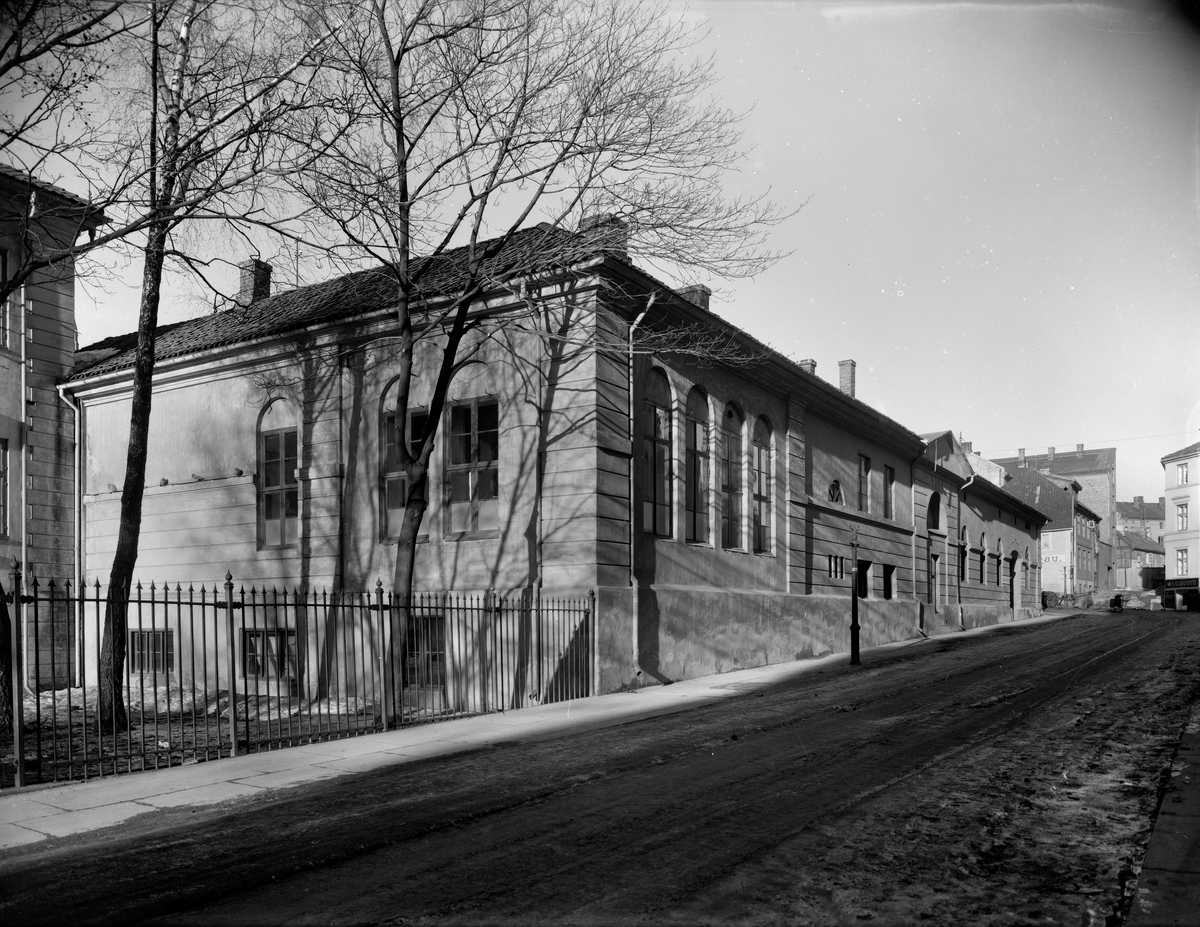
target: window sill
468 536
392 542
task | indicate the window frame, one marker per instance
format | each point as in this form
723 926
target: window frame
389 477
762 490
1181 474
658 456
889 492
289 483
157 644
478 473
732 480
1181 561
697 469
864 483
1181 516
267 659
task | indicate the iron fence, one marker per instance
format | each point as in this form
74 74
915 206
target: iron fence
211 672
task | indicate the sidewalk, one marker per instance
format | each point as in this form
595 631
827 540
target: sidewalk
31 815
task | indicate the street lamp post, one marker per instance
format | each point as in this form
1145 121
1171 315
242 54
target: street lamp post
854 661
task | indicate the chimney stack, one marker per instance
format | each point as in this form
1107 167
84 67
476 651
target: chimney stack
1020 457
1050 455
846 377
1139 500
697 295
1078 450
966 446
1162 502
255 281
610 233
808 365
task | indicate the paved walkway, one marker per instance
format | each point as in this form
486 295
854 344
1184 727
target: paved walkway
34 814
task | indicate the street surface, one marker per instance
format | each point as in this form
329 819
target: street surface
1008 778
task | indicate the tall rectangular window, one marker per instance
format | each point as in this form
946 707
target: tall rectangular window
1181 517
395 483
760 464
472 468
3 488
1182 474
889 492
1181 562
656 466
279 490
697 480
864 483
731 488
889 581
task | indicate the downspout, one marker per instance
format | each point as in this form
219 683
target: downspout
77 569
18 612
632 329
962 492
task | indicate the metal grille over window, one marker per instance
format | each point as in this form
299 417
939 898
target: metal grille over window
279 494
656 455
473 468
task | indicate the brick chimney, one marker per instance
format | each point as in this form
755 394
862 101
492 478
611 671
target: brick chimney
255 281
1050 454
697 295
1020 457
966 446
1078 450
808 365
610 233
846 377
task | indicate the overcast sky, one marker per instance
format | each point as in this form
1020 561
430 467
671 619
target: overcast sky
1001 224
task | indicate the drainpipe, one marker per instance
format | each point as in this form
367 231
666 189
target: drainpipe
18 613
632 454
962 492
77 541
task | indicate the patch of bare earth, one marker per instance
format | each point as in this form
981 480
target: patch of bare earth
1046 824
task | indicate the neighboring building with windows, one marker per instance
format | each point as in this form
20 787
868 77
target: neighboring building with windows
1094 470
1181 540
981 542
1071 558
722 514
1141 517
37 429
1138 562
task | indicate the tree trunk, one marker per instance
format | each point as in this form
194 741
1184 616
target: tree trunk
402 585
7 671
113 716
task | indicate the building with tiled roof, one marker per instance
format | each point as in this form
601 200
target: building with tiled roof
1095 470
723 512
1071 561
1142 517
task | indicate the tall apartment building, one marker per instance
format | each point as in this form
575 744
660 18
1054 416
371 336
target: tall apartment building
1182 538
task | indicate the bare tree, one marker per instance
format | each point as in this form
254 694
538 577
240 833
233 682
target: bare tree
207 104
476 120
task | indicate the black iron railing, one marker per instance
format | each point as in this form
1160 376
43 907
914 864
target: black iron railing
211 672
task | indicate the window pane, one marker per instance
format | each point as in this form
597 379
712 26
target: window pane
391 462
272 465
489 437
417 422
489 515
460 435
290 458
489 416
271 506
271 533
489 484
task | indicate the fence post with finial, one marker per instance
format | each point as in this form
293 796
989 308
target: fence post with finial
18 698
383 657
229 624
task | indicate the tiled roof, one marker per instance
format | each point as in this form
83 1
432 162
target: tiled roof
23 178
1134 511
354 294
1097 460
1135 541
1190 451
1043 494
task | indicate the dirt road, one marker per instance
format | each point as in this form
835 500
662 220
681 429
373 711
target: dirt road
1009 778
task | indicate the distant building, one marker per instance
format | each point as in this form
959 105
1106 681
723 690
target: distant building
1094 470
1182 537
1142 517
1138 562
1071 562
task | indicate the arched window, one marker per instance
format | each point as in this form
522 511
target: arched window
761 473
999 558
835 492
278 476
697 476
656 455
983 559
731 478
933 515
963 543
